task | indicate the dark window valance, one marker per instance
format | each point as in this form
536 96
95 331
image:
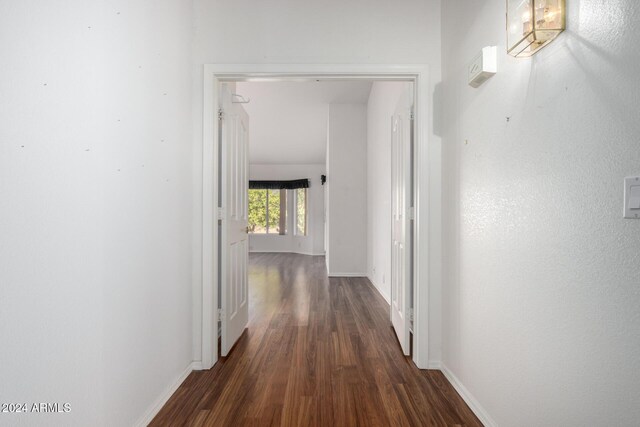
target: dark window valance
279 185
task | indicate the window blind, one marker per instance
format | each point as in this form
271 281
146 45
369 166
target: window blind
279 185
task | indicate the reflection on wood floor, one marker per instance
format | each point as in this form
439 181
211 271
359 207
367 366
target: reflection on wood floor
317 352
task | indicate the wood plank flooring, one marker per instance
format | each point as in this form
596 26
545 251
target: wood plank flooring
317 352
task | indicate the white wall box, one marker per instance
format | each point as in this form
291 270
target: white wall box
483 66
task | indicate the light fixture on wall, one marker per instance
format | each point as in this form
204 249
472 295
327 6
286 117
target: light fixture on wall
532 24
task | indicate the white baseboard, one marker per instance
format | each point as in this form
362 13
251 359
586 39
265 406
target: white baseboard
434 364
286 252
153 410
377 288
473 403
347 274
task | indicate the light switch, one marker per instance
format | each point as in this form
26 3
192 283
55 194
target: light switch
634 201
632 197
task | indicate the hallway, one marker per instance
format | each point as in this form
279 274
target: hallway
319 352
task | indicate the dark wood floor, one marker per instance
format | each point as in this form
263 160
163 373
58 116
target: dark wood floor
317 352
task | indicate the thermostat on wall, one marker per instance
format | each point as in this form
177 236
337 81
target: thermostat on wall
483 66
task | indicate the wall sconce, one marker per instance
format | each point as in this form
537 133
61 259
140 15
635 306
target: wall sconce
532 24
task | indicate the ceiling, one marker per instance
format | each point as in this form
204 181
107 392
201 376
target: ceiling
288 120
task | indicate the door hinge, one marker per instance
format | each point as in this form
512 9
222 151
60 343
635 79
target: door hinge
412 115
411 314
220 213
220 114
219 315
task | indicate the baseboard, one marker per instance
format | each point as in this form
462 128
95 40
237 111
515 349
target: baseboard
434 364
197 365
386 298
164 397
287 252
347 274
471 401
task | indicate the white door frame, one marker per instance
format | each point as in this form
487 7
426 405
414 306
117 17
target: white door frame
425 208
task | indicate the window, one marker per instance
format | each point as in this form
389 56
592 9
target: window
268 211
301 212
268 206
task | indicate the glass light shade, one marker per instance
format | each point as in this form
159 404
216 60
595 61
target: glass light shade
532 24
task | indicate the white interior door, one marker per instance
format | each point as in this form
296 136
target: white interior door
234 248
401 206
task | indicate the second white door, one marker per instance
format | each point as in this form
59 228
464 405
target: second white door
401 209
234 247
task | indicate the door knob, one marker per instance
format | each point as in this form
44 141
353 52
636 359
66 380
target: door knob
247 229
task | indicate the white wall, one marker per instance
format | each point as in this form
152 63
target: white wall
332 31
542 272
96 206
380 108
313 242
304 32
347 190
289 118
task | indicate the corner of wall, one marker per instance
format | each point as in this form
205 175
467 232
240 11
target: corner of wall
379 290
157 405
466 395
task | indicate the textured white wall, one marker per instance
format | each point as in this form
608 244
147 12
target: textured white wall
542 272
313 242
95 212
347 189
332 31
380 108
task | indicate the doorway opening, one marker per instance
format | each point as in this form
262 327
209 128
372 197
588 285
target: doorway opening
289 212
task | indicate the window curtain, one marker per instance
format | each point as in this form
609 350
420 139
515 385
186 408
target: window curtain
279 185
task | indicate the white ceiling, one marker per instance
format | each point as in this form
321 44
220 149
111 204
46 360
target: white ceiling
288 120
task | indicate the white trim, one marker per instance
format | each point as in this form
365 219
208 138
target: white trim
285 251
309 72
209 301
470 400
156 406
435 364
427 245
425 209
377 288
347 275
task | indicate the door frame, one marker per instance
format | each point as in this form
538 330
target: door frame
427 161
